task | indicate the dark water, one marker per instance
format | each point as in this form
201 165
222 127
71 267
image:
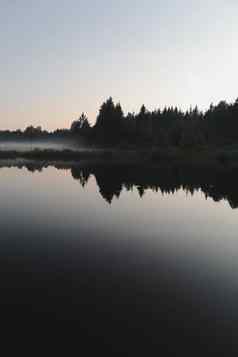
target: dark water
138 260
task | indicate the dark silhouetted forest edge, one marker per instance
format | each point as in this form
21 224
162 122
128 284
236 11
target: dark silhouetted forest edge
159 137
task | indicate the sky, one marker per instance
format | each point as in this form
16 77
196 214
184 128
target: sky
61 58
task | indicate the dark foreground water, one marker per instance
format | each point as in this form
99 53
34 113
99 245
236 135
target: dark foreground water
136 260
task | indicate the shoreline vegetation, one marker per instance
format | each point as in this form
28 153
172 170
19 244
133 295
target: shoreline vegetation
164 137
224 158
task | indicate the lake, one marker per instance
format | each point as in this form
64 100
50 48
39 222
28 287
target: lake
139 258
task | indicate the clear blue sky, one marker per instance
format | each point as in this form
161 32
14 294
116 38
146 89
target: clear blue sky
59 58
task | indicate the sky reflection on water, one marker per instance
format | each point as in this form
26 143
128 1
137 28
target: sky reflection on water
51 224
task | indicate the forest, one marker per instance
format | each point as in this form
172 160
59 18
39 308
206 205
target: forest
167 127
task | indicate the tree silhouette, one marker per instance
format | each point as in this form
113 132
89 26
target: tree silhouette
166 127
109 122
80 126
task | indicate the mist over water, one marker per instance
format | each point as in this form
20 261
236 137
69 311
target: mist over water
136 267
37 144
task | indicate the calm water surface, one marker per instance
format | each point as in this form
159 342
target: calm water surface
136 263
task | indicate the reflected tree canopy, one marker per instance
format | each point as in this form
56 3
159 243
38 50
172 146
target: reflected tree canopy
112 180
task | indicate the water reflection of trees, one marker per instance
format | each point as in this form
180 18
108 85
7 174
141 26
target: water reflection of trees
112 180
215 184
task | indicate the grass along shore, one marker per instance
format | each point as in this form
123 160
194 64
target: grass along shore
204 156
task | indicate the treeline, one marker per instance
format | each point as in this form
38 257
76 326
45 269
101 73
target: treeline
158 128
168 127
33 133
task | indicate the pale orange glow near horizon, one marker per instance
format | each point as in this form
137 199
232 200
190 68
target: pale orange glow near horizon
60 59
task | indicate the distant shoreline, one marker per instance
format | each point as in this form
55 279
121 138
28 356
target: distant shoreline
203 157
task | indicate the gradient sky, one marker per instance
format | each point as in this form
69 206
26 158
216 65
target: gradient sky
59 58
